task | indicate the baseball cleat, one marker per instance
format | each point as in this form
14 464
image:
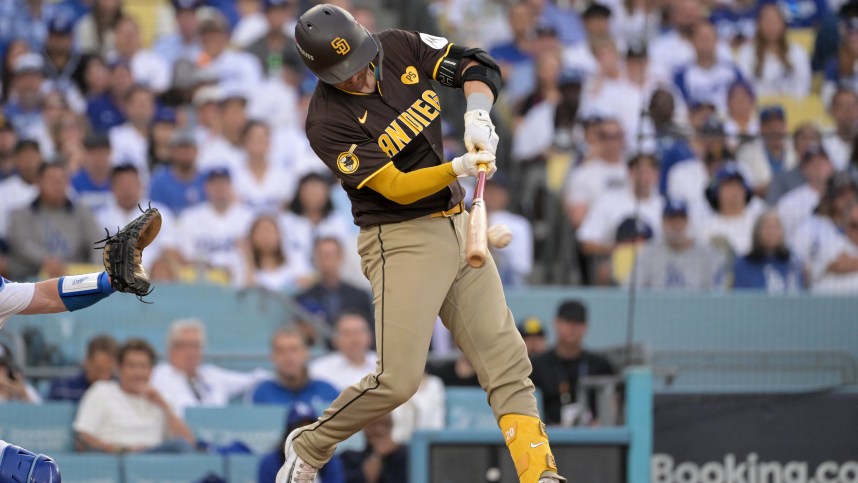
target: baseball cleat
295 470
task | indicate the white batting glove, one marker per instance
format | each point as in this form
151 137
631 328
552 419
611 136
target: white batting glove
466 164
480 132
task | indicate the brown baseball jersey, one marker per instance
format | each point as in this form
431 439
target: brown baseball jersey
358 134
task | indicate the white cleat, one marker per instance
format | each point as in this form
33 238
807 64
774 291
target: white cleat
295 470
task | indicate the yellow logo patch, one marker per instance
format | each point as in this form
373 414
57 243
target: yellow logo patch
410 76
341 46
348 162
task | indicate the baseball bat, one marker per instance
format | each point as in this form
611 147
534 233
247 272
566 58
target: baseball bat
476 248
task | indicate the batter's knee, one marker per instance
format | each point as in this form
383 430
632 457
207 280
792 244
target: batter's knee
402 390
18 464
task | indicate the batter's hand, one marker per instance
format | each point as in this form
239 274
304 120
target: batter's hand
480 132
466 164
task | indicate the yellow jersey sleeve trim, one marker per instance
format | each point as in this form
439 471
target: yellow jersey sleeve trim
379 170
438 64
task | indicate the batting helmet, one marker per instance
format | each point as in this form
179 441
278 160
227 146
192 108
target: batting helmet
332 44
18 464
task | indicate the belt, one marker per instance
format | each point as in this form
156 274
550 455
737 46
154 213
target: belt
452 211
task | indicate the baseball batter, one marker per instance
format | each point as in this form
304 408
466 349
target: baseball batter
374 119
124 272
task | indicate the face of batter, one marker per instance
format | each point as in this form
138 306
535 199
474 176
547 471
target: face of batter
363 81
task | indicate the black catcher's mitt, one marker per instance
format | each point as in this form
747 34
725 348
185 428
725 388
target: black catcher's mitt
123 252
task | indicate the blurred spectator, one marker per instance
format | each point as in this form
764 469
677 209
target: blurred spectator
804 136
836 268
106 87
277 100
673 48
639 200
130 141
776 66
8 140
91 183
535 117
383 460
179 185
611 91
581 56
557 371
124 206
52 231
251 24
516 57
533 333
690 142
99 365
815 241
161 131
69 134
456 373
185 382
708 76
741 124
798 204
840 67
263 186
769 154
14 50
688 179
330 297
562 18
353 358
64 67
311 215
94 33
844 111
21 188
730 226
660 124
20 19
129 415
299 415
769 266
184 44
291 383
221 144
516 260
267 263
735 21
677 261
635 22
602 172
270 48
802 13
13 386
210 232
426 410
25 104
231 67
147 68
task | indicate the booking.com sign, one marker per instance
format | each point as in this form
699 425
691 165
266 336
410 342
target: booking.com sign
751 470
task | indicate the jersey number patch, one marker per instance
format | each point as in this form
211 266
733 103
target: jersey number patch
348 162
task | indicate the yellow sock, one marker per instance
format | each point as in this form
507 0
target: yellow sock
528 445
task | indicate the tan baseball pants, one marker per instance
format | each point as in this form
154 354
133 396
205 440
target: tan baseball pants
418 270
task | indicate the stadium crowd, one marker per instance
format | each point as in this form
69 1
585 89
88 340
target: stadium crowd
689 145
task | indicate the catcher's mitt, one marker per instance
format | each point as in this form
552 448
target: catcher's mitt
123 252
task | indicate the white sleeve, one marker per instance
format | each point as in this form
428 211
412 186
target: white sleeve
89 411
14 297
581 189
802 75
596 225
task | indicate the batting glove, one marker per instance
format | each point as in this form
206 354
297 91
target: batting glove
480 132
466 164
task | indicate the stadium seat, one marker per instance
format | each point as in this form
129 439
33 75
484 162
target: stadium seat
242 468
171 468
41 428
467 408
805 38
88 468
259 427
